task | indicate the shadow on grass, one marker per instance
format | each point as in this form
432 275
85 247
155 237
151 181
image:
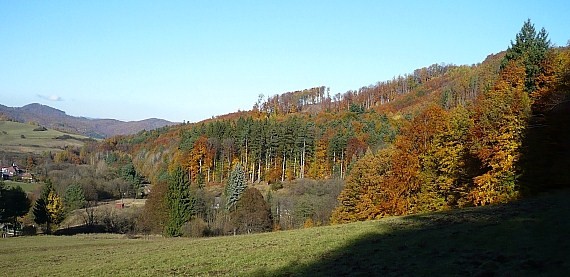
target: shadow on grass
82 229
525 238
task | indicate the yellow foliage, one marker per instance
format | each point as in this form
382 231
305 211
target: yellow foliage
54 207
308 223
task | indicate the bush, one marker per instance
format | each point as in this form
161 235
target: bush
195 228
29 230
40 129
251 214
276 186
122 222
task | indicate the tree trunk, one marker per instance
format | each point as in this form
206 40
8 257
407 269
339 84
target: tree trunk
283 168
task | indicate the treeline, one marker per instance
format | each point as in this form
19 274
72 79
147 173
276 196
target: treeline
302 134
279 149
459 85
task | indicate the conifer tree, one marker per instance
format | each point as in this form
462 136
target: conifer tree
13 203
530 48
74 198
179 201
40 212
235 187
48 209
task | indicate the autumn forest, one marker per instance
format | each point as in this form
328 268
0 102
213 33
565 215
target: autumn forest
441 137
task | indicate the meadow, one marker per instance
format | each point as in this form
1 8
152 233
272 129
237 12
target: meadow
21 138
524 238
27 187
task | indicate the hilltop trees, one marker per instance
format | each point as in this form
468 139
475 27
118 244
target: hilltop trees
530 48
462 154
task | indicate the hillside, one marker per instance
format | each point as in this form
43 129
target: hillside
18 137
524 238
442 137
310 133
95 128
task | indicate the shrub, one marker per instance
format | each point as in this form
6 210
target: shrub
122 222
276 186
29 230
40 129
196 228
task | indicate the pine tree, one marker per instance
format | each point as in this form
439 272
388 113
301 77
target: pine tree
235 187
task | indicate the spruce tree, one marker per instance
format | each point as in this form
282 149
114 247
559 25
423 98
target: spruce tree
179 201
40 212
235 186
530 49
74 198
48 209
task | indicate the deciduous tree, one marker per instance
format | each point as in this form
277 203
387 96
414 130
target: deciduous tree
252 214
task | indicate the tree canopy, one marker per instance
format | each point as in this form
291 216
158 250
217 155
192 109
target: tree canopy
14 203
530 48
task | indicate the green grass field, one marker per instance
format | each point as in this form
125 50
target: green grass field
27 187
21 138
526 238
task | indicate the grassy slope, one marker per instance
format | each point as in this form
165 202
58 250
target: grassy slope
525 238
27 187
34 141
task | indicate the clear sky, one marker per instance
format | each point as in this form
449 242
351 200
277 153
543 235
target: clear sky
191 60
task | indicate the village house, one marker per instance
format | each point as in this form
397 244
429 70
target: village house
14 173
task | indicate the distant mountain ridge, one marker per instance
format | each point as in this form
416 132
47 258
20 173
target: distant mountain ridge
95 128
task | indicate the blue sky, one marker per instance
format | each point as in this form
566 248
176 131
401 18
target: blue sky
191 60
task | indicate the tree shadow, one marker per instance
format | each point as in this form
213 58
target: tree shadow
81 229
519 239
545 160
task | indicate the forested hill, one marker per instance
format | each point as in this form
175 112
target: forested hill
442 136
95 128
308 133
